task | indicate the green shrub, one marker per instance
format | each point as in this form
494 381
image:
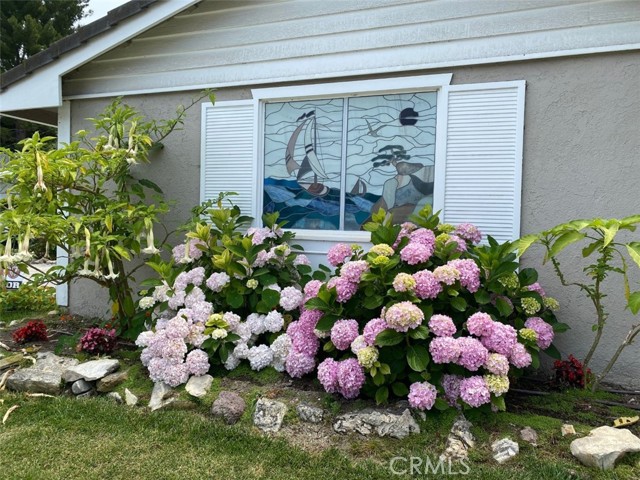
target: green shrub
28 297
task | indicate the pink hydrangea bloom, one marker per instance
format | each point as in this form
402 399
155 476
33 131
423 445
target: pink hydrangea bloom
404 282
473 354
197 362
415 253
543 329
442 326
309 319
343 333
328 375
451 387
474 391
422 395
353 270
519 357
311 289
351 378
423 236
480 324
259 235
444 350
403 316
461 244
301 259
406 229
502 338
469 232
217 281
303 340
339 253
299 364
344 288
535 287
469 273
372 329
497 364
427 286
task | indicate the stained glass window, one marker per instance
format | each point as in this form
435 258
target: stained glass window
329 164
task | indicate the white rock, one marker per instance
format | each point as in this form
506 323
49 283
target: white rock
159 396
603 446
392 422
199 386
529 435
269 414
91 371
44 377
115 396
130 398
459 441
504 450
567 429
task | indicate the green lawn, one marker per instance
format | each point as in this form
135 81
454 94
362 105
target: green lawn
64 438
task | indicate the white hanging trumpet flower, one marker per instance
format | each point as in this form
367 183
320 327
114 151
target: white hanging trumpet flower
7 257
151 248
186 258
86 271
87 242
40 175
96 267
131 133
111 275
23 250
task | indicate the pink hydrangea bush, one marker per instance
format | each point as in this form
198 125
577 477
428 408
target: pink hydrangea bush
230 296
426 313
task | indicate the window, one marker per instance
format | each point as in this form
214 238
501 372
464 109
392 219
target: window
330 163
328 155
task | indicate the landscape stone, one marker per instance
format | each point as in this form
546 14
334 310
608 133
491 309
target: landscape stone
199 386
459 441
44 377
230 406
269 414
111 381
88 394
567 429
130 398
159 396
390 422
6 362
91 371
80 386
114 396
529 435
309 413
504 450
604 446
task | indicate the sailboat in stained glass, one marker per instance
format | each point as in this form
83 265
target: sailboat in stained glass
310 171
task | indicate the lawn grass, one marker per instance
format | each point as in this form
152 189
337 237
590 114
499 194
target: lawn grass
65 438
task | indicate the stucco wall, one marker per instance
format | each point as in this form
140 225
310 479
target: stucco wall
581 153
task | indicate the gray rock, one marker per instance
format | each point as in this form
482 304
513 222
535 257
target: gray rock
88 394
111 381
91 371
159 396
269 414
459 441
115 396
529 435
199 386
604 446
230 406
309 413
390 422
44 377
504 450
130 398
80 386
53 313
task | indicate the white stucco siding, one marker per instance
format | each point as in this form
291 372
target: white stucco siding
248 43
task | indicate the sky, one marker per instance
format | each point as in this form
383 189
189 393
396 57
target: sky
100 8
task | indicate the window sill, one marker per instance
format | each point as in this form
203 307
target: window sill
333 236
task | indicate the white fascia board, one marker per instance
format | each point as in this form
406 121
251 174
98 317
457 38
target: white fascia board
43 88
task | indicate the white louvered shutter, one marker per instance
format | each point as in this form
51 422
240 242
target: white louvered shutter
228 153
483 157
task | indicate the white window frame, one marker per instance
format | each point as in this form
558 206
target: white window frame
386 86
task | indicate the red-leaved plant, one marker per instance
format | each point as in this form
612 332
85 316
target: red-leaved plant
571 372
98 340
32 331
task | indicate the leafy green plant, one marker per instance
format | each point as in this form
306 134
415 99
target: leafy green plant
28 297
81 197
609 256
